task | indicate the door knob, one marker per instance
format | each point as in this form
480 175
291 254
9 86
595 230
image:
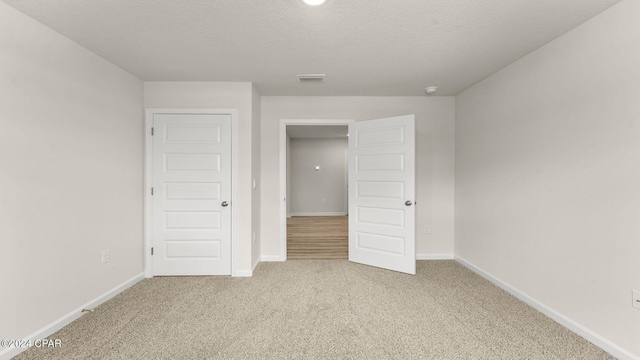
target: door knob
224 204
408 203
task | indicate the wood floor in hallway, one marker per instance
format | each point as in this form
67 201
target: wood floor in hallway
318 237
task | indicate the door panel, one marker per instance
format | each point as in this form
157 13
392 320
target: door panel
191 179
382 175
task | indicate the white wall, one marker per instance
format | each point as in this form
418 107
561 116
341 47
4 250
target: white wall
71 177
548 174
323 191
219 95
435 129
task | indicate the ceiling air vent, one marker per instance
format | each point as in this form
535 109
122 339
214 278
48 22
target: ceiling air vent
311 77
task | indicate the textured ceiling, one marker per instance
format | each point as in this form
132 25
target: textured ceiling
379 47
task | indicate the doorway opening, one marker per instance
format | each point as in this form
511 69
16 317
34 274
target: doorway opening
381 190
317 223
314 189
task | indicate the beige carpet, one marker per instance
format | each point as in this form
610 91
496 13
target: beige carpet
319 309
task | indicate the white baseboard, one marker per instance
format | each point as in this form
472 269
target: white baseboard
243 273
67 319
255 264
271 258
434 256
319 214
596 339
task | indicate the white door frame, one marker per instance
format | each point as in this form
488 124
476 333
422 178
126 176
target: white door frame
283 170
346 180
148 172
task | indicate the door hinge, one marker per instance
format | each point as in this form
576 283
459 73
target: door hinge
151 251
151 131
151 191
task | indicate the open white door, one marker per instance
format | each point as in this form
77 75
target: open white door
382 193
191 216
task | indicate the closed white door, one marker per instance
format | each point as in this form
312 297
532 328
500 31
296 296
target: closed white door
382 193
191 216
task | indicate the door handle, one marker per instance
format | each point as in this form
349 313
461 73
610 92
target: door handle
224 204
408 203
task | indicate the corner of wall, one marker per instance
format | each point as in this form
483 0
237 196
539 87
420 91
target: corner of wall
256 183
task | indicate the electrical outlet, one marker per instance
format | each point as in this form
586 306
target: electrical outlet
323 200
636 299
253 236
254 184
105 256
427 229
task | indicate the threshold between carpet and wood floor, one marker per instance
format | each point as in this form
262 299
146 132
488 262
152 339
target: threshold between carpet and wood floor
318 309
